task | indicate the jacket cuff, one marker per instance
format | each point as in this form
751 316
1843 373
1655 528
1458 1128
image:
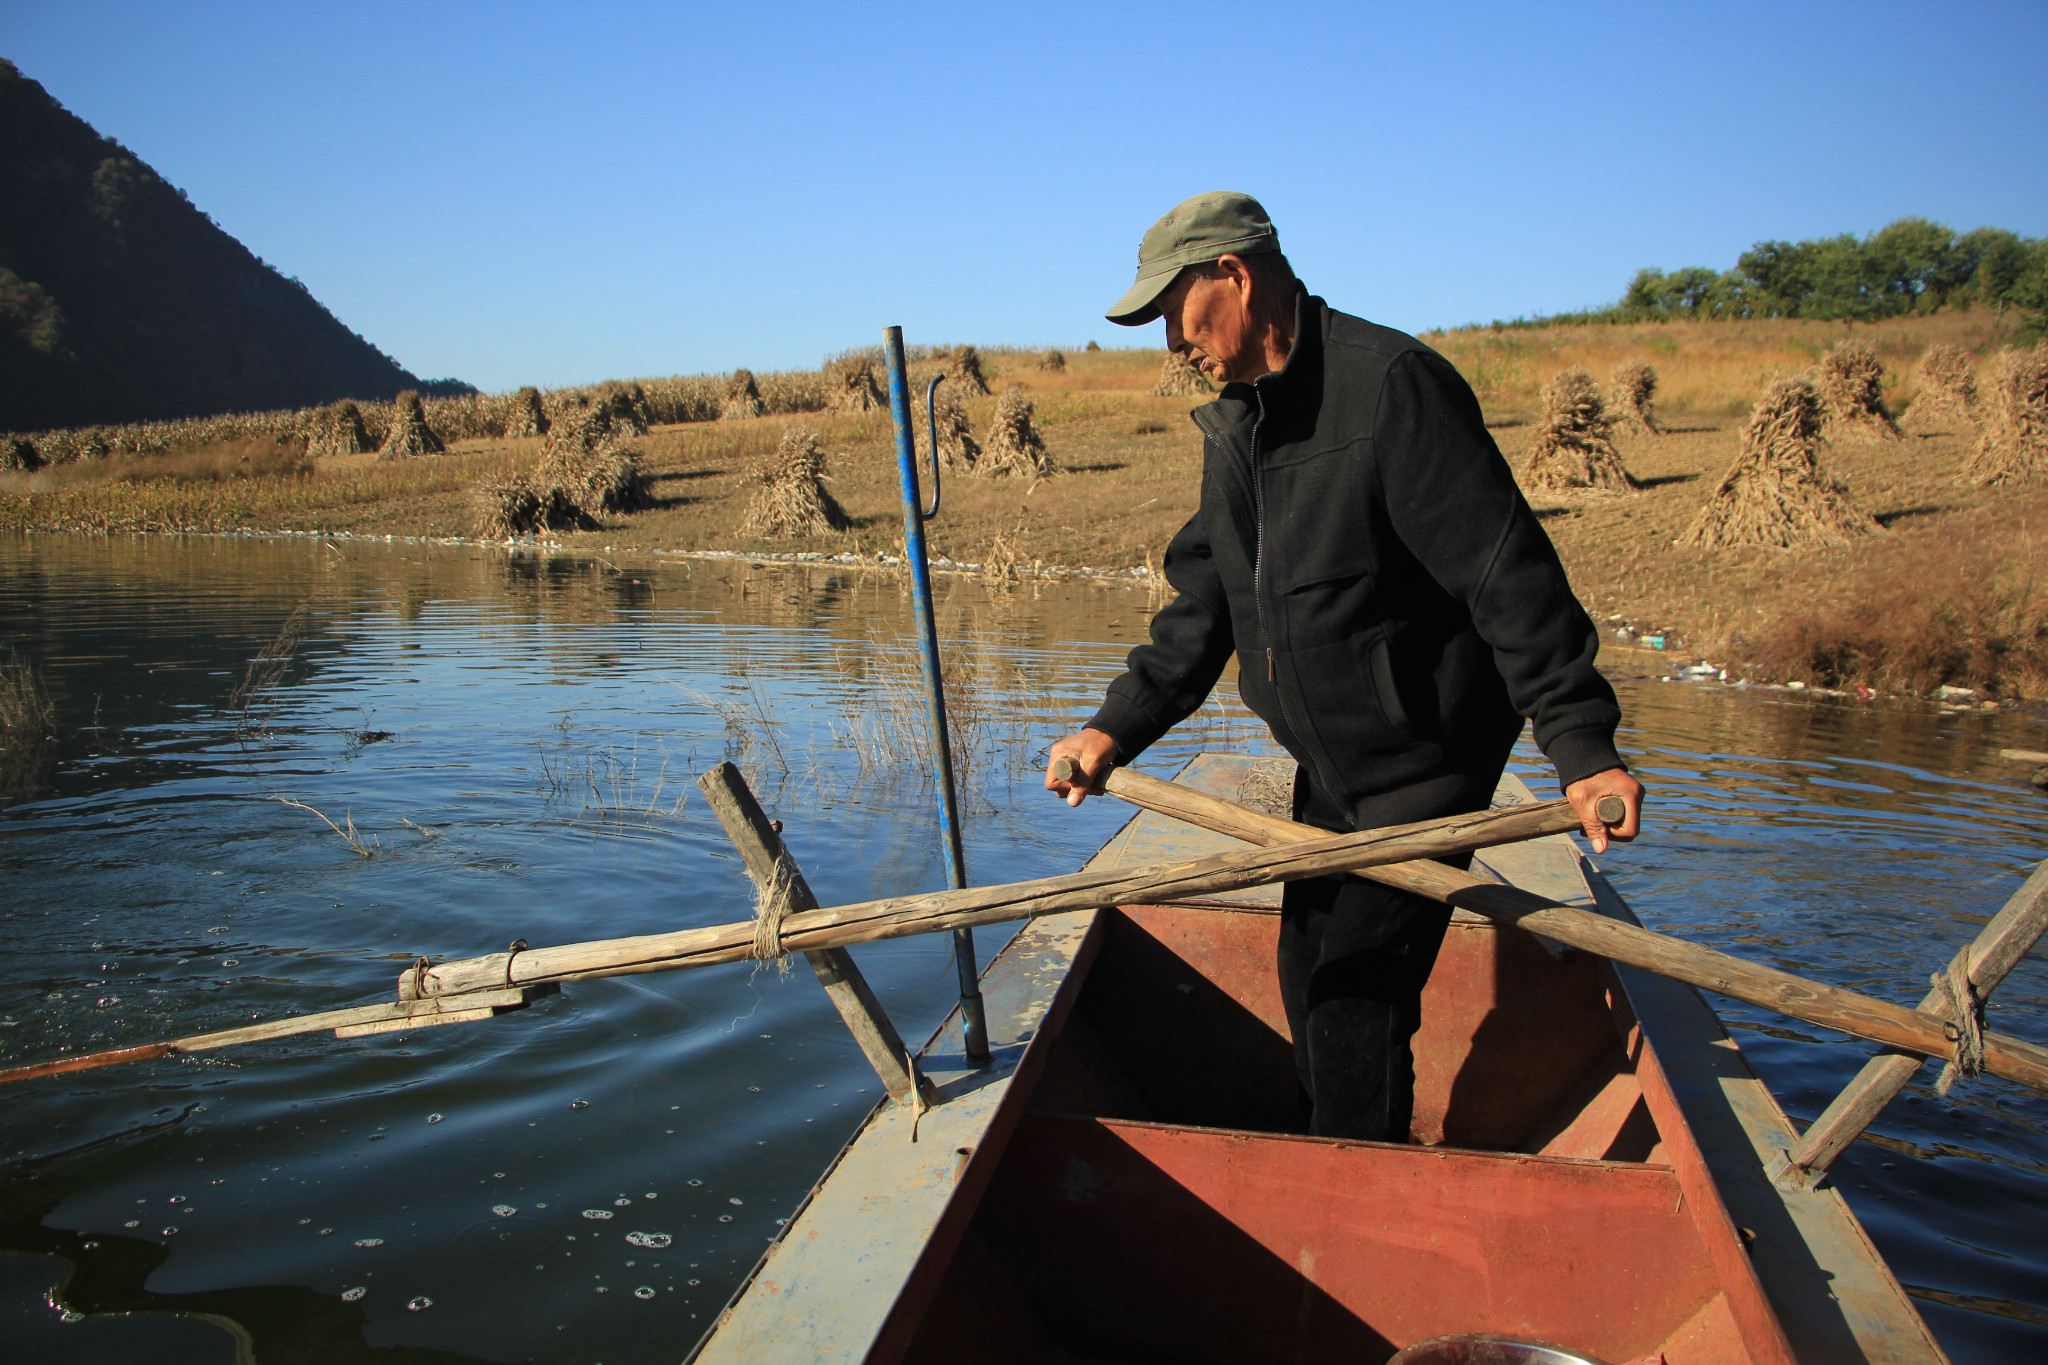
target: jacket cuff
1578 754
1125 722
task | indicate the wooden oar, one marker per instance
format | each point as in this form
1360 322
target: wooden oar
474 988
359 1022
2010 936
1879 1021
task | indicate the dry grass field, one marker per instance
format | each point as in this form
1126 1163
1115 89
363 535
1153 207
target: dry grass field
1949 593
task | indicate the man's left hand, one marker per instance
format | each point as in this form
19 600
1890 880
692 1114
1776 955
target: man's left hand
1585 795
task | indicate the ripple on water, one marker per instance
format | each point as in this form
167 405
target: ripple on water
549 715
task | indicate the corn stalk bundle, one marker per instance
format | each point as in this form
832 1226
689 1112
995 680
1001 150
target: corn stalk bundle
791 499
1944 385
339 432
1776 493
853 387
410 436
466 417
18 455
1013 446
1178 378
1851 384
742 398
2012 429
793 391
1574 448
627 407
958 450
527 417
1631 387
965 367
504 508
1051 362
695 398
586 465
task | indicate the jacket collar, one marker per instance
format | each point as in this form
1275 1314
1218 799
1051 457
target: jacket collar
1287 399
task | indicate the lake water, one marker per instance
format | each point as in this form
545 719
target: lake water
513 740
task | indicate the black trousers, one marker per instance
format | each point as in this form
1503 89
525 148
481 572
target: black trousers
1354 957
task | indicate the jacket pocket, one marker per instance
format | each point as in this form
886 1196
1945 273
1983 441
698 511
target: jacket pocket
1381 658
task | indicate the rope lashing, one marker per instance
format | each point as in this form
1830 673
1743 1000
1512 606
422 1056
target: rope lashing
512 950
1966 1029
773 905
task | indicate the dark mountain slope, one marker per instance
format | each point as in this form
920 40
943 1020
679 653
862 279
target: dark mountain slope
121 302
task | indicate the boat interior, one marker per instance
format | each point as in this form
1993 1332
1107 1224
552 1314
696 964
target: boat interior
1159 1199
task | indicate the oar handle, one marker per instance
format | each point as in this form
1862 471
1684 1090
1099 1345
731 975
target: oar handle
1612 810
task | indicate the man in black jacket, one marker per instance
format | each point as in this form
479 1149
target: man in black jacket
1395 610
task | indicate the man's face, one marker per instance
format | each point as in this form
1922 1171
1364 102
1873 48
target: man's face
1210 322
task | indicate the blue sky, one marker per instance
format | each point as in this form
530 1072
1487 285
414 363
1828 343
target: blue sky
528 193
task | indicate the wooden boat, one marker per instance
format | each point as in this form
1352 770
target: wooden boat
1589 1166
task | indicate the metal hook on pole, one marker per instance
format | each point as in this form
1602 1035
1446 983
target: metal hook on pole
931 427
974 1024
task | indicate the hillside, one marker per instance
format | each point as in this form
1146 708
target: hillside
120 301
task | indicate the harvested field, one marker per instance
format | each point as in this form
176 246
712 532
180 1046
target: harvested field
1131 469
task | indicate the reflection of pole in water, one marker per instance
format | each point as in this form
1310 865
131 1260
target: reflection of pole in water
974 1028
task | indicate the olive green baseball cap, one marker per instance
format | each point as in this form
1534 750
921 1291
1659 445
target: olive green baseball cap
1194 232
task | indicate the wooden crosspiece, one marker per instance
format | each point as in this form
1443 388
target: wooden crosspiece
2010 936
784 890
1816 1002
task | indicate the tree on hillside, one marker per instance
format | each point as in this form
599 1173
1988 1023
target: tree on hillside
1911 265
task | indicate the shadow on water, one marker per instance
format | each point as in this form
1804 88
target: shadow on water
105 1275
515 739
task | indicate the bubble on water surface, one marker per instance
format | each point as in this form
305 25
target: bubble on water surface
177 1199
327 1232
643 1292
70 1315
351 1295
503 1210
369 1241
649 1195
725 1218
597 1213
170 1232
622 1203
420 1304
132 1223
579 1104
695 1183
653 1241
735 1201
433 1118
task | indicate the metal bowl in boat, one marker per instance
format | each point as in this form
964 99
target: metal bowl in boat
1467 1348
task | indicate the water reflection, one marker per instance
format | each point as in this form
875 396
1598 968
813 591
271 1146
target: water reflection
513 740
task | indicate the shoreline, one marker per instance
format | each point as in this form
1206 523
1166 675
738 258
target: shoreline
1685 665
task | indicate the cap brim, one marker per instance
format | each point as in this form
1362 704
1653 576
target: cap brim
1140 303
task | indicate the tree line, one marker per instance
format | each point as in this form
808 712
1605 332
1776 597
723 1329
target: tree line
1914 265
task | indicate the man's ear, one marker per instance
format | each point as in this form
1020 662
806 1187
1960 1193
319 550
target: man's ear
1240 276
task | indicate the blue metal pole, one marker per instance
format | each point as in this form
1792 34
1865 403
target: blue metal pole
974 1025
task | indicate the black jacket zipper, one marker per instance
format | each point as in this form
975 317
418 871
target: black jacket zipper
1259 601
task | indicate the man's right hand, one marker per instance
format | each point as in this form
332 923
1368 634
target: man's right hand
1093 752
